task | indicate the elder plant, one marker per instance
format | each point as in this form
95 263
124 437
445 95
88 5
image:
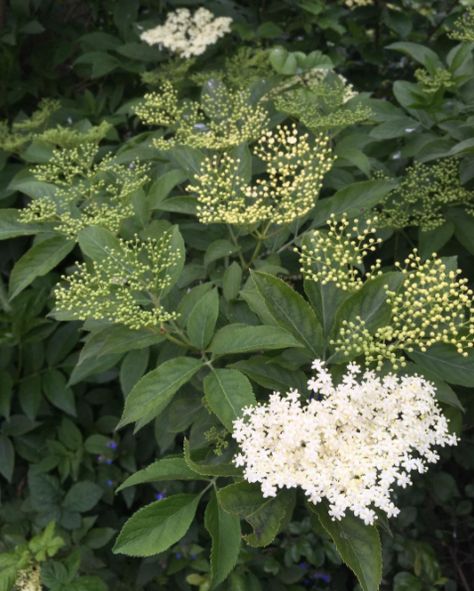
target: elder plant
241 234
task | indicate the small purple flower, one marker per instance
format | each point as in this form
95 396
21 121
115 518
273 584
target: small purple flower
108 461
112 444
303 565
322 577
109 482
159 496
178 555
100 458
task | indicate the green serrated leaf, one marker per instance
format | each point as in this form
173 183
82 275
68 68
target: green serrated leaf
153 392
357 544
291 311
238 338
227 392
96 242
82 496
164 469
265 515
157 526
202 319
224 530
36 262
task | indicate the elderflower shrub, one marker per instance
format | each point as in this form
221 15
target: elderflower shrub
86 192
14 137
187 34
433 305
125 287
321 103
221 119
423 195
337 256
463 29
350 446
294 171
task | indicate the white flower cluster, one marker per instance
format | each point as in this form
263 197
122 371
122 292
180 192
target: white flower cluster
350 444
355 3
187 34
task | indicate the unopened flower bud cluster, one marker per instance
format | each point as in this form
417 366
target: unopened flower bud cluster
321 102
337 256
433 305
431 82
87 193
186 34
464 27
221 119
15 136
69 137
423 194
124 287
294 171
351 445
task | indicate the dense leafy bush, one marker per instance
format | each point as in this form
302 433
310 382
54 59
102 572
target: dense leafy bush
188 225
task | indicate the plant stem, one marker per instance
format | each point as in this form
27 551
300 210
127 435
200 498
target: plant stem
235 242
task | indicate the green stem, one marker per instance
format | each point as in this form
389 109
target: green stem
235 242
4 298
292 241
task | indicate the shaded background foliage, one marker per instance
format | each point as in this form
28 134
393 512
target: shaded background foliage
60 456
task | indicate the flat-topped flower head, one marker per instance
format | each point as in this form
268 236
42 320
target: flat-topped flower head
463 29
29 578
294 167
222 118
70 137
125 287
322 102
86 192
337 256
350 446
423 195
186 34
357 3
433 305
15 136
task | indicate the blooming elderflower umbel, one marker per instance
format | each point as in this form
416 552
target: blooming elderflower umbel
29 579
433 305
187 34
124 287
422 195
351 445
356 3
221 119
338 255
86 192
294 171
